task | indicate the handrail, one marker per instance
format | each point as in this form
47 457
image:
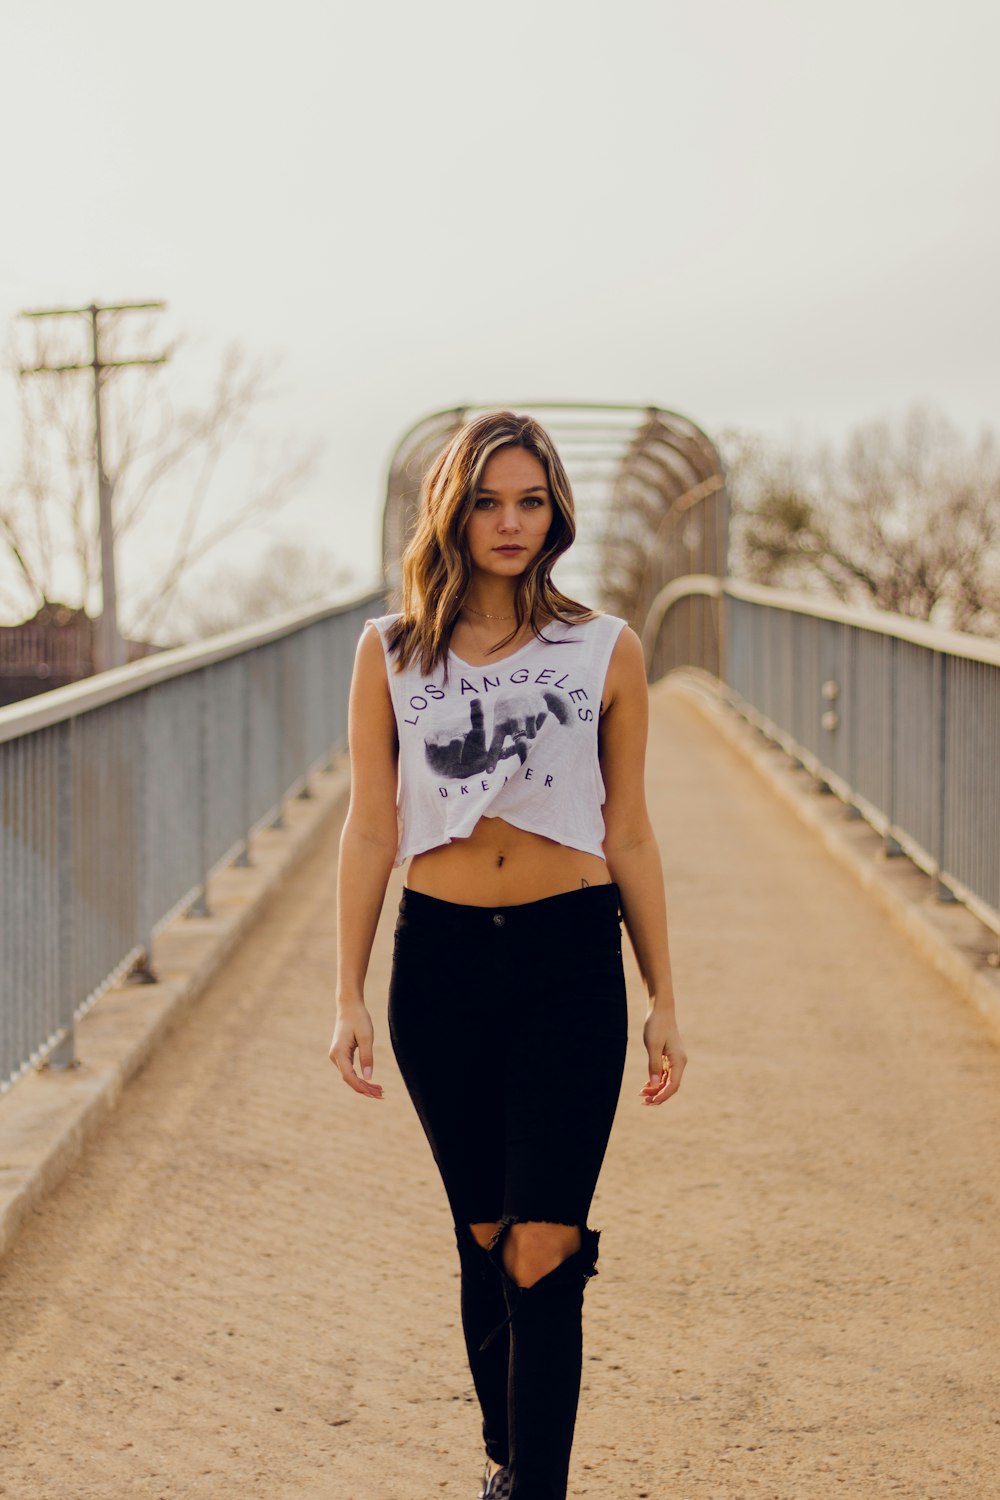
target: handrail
58 704
920 632
122 794
900 718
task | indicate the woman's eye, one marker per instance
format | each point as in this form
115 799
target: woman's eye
484 501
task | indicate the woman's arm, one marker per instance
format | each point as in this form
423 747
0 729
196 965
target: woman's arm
368 846
634 860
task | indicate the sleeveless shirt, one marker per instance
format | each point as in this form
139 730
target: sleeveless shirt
516 739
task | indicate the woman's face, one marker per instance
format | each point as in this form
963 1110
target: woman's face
511 514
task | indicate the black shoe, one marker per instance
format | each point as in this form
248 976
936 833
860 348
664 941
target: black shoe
497 1488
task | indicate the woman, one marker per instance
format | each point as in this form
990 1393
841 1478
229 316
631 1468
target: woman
504 714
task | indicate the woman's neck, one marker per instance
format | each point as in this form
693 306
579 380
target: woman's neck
489 603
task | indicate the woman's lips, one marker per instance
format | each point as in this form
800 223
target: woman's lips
511 547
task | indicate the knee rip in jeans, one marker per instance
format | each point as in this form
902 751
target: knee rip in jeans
573 1269
581 1257
486 1234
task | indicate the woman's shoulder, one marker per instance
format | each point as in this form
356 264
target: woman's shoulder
382 624
598 622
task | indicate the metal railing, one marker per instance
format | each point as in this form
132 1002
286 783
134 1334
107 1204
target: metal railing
120 795
898 718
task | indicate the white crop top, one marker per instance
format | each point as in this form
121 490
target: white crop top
516 739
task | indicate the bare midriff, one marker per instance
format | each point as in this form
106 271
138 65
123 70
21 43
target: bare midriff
500 865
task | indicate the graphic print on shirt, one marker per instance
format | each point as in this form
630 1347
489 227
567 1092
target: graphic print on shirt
459 750
516 739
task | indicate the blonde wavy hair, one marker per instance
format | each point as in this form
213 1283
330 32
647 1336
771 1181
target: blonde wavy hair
435 564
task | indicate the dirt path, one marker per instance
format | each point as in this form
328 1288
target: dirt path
247 1290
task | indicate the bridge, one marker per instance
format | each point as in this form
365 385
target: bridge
232 1277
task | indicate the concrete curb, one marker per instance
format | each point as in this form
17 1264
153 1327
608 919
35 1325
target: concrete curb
946 934
47 1117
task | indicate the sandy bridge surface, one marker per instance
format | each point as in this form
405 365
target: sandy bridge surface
248 1287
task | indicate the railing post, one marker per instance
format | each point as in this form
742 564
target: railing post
302 673
278 821
939 771
63 1055
199 906
142 971
890 844
330 687
719 608
850 701
243 860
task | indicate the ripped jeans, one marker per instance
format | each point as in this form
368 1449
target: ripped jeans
509 1026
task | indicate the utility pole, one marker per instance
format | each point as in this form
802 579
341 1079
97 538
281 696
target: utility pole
110 648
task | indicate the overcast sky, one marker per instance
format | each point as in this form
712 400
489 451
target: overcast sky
767 213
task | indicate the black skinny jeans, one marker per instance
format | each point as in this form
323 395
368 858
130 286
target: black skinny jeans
509 1026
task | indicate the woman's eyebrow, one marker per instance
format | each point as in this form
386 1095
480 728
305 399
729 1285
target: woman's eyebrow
543 488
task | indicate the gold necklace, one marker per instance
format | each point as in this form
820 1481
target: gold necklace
484 615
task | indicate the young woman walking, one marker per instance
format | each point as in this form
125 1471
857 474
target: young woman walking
497 737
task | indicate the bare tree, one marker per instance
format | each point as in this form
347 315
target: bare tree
162 464
905 517
37 536
289 576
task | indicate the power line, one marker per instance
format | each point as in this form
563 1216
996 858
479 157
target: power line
109 647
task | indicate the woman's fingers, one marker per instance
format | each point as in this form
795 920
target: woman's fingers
658 1062
346 1041
350 1077
658 1093
666 1065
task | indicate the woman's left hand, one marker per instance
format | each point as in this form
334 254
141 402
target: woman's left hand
667 1057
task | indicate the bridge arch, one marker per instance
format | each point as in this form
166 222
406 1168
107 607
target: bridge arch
651 498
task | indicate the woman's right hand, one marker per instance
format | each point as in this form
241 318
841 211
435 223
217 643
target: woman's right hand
354 1033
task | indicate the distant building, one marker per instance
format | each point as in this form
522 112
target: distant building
50 650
